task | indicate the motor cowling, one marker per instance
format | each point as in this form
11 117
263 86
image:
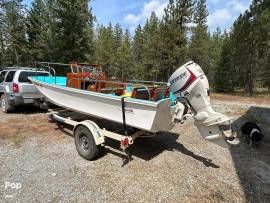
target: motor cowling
190 82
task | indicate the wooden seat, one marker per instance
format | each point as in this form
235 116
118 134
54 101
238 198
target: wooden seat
117 91
92 88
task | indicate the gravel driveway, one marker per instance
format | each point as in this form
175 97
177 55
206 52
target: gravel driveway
41 161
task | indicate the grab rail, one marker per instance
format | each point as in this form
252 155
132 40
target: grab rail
49 68
148 81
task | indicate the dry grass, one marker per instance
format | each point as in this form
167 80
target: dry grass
20 127
261 100
236 111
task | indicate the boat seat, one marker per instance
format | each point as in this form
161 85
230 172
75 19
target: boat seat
158 94
117 91
151 91
140 93
92 88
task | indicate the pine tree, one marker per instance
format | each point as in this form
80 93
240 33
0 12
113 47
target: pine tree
116 44
200 40
1 35
243 53
14 34
150 45
53 31
74 27
62 30
3 3
117 34
38 31
224 72
104 50
261 12
216 43
138 52
249 49
173 32
125 68
1 48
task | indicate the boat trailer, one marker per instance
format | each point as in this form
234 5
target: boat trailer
89 137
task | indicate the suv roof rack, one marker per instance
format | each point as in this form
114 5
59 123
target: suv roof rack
22 68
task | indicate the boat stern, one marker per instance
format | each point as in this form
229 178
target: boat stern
164 116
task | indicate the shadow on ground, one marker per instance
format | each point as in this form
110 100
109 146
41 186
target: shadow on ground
253 163
145 147
148 148
27 110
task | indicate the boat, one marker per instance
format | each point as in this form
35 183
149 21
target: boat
142 114
150 108
98 97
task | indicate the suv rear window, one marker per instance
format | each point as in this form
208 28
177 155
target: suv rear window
10 76
2 76
24 75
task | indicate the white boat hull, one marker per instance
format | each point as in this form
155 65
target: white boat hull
145 115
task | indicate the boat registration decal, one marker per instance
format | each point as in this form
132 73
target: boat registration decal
127 110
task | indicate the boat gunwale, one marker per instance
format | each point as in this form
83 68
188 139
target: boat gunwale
114 97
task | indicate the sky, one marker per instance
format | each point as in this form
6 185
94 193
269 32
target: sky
130 13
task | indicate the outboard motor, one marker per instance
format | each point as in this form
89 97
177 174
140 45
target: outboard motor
190 83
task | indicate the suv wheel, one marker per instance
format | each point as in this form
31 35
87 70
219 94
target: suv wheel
5 106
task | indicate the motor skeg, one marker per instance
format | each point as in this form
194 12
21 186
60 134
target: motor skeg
190 82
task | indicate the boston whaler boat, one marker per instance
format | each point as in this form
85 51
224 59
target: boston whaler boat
147 107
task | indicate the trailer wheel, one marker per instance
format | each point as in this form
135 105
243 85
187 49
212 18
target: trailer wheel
85 143
5 106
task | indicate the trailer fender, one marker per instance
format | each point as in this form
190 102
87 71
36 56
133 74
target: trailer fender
94 129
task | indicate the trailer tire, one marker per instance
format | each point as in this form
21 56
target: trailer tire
4 104
85 143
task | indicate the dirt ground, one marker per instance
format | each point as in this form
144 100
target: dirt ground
258 100
178 166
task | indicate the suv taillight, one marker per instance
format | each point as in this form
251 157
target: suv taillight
15 88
